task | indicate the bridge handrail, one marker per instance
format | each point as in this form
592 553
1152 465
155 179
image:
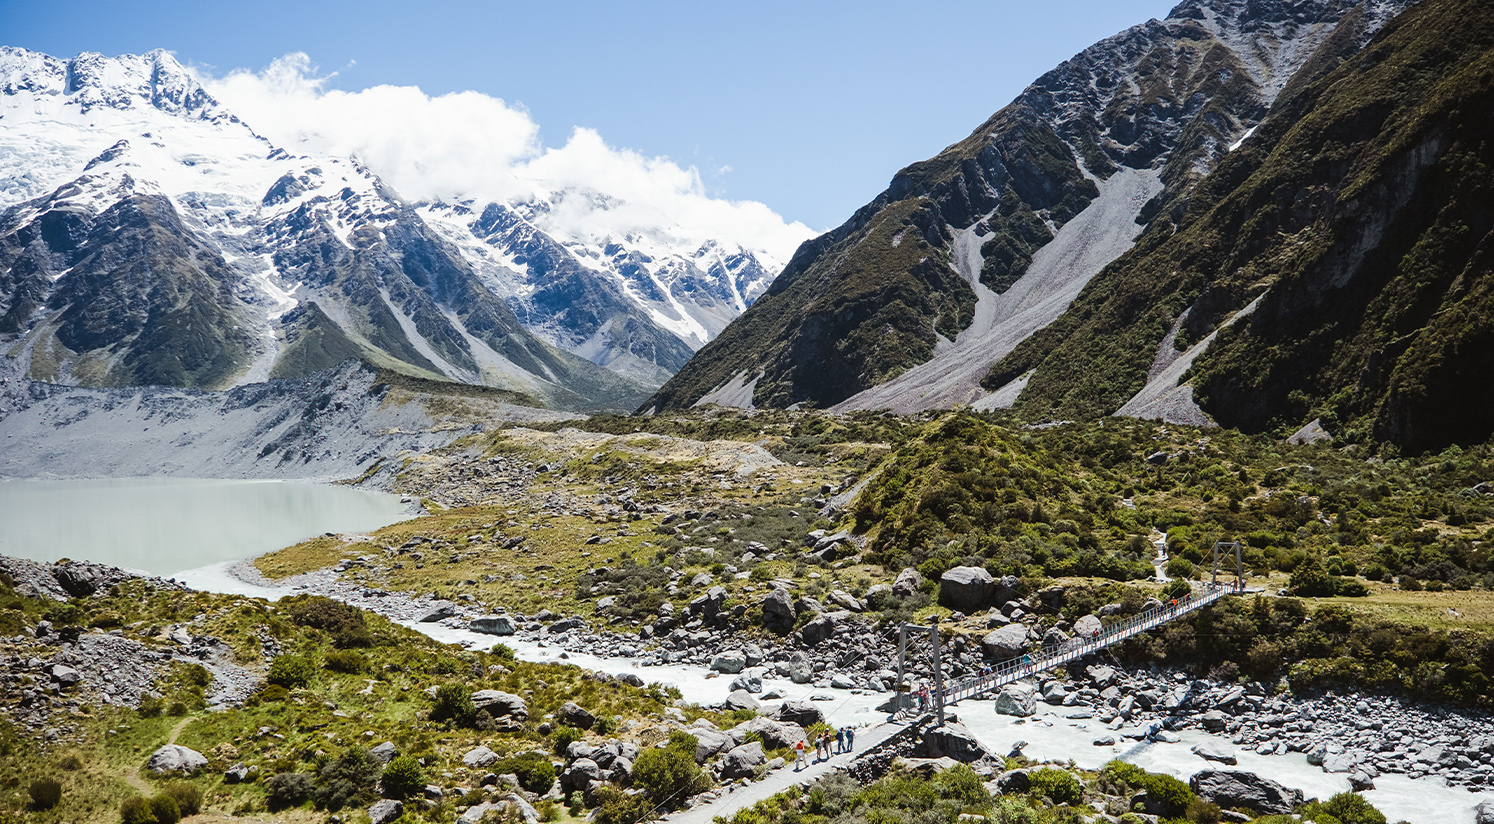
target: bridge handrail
1016 669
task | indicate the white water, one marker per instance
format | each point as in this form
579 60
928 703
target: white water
1049 735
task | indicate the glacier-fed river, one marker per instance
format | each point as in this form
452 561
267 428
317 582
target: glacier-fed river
1050 736
165 525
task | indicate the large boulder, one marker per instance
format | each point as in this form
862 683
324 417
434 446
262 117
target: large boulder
822 628
778 610
493 625
1215 750
967 589
437 611
501 704
1016 700
479 756
775 734
709 742
907 584
953 741
572 714
802 713
1087 626
730 663
1236 788
175 758
385 752
385 811
1484 813
743 761
1005 643
741 700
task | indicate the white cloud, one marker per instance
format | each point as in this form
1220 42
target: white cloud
470 145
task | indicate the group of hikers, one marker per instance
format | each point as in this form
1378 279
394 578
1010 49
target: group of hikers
845 738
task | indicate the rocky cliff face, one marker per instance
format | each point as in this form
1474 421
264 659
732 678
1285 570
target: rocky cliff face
1334 267
855 309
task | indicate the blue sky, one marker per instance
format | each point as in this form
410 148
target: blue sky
806 107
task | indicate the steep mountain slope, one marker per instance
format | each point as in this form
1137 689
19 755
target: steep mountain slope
1123 130
149 236
1337 265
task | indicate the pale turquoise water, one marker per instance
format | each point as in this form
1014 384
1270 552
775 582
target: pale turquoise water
166 525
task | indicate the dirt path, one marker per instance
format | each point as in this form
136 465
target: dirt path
133 776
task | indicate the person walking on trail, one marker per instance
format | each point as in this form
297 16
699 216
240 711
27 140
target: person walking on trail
799 755
850 738
840 740
826 737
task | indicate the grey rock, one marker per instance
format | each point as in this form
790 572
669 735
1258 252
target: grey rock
709 743
742 761
175 758
65 675
1484 813
501 704
953 740
386 811
967 589
1015 782
492 625
741 700
778 610
730 663
907 584
479 756
775 734
846 600
1087 626
385 752
822 628
1236 788
574 715
438 611
801 713
237 774
749 681
1017 700
1212 750
1006 643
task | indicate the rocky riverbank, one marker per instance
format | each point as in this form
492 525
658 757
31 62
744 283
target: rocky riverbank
1359 735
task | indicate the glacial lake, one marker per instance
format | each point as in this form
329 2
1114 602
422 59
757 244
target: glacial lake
167 525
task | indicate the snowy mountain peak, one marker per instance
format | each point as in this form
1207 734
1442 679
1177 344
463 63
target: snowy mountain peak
90 80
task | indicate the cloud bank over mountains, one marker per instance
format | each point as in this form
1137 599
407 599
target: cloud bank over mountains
471 145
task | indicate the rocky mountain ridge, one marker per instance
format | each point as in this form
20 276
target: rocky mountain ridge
907 304
277 265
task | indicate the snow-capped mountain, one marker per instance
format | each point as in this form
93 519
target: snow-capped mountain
148 235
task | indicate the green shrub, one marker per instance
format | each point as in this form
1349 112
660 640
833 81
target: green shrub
1348 808
344 624
562 738
165 810
291 671
346 661
136 810
272 692
348 779
151 706
1056 784
963 785
1200 811
669 775
403 777
617 807
71 762
1180 568
454 704
534 771
288 789
45 793
188 798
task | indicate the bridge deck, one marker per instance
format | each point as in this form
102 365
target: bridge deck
1018 668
